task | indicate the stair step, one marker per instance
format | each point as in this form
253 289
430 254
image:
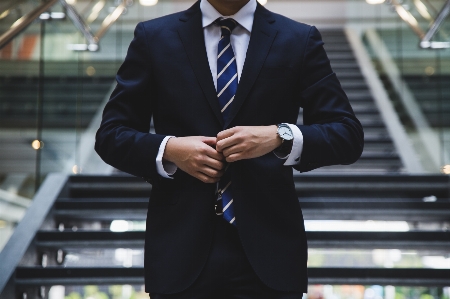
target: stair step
316 239
38 276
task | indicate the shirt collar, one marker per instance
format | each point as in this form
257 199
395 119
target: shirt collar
244 16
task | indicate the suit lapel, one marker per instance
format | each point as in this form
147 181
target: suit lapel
191 34
261 40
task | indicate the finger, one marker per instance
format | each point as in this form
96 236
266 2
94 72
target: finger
226 133
235 157
227 142
237 148
206 178
211 141
210 172
213 163
212 153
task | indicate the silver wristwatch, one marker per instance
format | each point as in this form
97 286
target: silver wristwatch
285 132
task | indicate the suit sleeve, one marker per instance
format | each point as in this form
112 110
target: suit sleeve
123 139
331 132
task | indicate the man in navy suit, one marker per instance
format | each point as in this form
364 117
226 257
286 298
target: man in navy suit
174 73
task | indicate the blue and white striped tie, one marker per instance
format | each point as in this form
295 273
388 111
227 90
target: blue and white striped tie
227 82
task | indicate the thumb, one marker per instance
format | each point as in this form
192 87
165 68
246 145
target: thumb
211 141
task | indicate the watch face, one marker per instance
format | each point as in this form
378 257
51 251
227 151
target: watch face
285 133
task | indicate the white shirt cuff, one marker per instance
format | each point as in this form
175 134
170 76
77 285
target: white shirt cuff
293 158
164 168
297 147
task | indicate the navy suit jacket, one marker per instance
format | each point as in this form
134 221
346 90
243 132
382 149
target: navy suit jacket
166 76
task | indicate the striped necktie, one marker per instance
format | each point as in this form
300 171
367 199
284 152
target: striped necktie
227 82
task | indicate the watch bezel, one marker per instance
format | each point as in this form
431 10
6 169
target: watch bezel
283 125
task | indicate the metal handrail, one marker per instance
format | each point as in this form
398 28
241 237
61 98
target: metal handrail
426 40
111 19
425 37
22 23
93 39
408 18
81 25
78 21
7 8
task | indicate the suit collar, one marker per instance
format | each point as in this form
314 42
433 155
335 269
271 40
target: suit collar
244 16
191 35
262 36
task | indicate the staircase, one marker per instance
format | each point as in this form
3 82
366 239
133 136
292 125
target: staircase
90 230
379 155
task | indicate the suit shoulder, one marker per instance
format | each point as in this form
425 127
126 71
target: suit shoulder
162 22
288 24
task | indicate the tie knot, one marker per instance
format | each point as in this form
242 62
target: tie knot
226 25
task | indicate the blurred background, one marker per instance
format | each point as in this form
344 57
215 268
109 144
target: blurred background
72 227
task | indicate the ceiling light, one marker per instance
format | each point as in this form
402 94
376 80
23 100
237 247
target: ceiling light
148 2
445 169
44 16
375 1
36 144
76 169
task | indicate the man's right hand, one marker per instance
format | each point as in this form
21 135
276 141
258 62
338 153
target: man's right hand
196 155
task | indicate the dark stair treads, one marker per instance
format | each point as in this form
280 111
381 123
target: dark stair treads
37 276
422 240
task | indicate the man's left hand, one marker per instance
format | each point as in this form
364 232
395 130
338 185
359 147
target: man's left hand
246 142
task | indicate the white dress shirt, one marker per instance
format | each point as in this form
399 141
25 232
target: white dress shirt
240 37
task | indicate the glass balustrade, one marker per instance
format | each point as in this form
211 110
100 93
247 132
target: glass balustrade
409 44
51 94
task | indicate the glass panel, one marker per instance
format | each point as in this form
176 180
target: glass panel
49 95
75 86
416 79
19 73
